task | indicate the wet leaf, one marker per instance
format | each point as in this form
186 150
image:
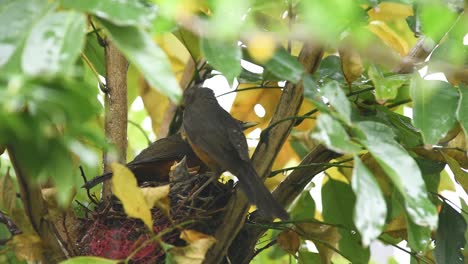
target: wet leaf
330 132
224 56
140 49
450 236
338 100
419 237
121 13
398 164
54 44
435 106
285 66
124 186
370 210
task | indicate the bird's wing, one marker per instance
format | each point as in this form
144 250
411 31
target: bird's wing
172 147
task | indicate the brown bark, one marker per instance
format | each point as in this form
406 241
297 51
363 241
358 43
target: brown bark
37 212
264 156
115 103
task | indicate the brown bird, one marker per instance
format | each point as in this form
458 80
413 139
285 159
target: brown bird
154 162
217 139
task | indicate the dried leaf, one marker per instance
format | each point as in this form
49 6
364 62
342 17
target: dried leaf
7 193
27 247
289 241
195 252
124 186
351 63
157 196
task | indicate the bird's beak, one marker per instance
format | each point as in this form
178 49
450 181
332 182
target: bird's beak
247 125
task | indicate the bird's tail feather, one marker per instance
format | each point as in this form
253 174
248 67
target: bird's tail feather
258 194
99 179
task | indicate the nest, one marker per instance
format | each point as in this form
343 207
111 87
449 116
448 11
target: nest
109 233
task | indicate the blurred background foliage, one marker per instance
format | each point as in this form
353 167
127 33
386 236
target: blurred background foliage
373 99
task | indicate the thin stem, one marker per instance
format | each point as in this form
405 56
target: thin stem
328 165
141 130
157 238
395 104
258 251
250 88
102 86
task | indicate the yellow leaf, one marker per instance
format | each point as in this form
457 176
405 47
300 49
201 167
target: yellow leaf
124 186
195 252
289 241
389 36
351 63
245 102
157 196
387 11
27 247
261 46
7 193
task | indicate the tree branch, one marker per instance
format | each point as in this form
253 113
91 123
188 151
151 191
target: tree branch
115 103
264 156
36 210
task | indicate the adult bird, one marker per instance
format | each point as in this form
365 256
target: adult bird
217 139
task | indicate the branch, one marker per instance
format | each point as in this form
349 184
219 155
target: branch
264 156
36 211
115 103
285 194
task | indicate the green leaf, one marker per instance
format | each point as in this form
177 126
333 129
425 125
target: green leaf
190 41
121 13
330 68
95 53
18 18
386 88
285 66
312 93
436 28
338 100
370 209
330 132
338 202
140 49
460 175
398 164
462 110
227 17
89 259
54 44
450 236
224 56
307 257
435 104
419 237
304 207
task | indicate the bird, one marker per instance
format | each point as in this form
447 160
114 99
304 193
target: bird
218 140
154 162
